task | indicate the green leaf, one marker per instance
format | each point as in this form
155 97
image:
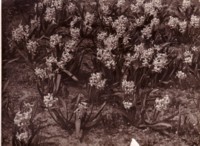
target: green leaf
57 84
70 75
161 126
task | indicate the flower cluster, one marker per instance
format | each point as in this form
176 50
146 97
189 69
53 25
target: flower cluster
127 104
120 25
32 46
106 57
146 56
173 22
157 4
186 4
22 121
23 136
121 3
41 73
129 59
35 22
101 36
21 118
57 4
146 32
181 75
55 40
160 62
75 33
71 8
49 100
74 21
50 14
155 21
50 60
96 81
194 22
66 55
128 87
182 26
108 20
188 57
149 8
20 33
89 19
111 42
139 21
195 49
161 104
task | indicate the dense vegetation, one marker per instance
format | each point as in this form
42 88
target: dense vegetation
124 55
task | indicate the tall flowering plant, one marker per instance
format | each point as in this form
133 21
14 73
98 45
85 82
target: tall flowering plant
26 130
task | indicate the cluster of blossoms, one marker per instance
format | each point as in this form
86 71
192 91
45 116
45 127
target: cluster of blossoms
188 57
147 31
75 33
139 21
74 21
108 20
157 4
68 50
104 7
50 60
155 21
127 104
41 73
181 75
49 100
182 26
194 22
101 36
139 49
146 56
121 3
126 40
32 46
22 121
128 87
50 14
136 7
149 8
195 49
173 22
20 33
186 4
89 19
58 4
55 40
161 104
160 62
111 42
129 59
71 8
35 22
106 57
96 81
39 6
120 25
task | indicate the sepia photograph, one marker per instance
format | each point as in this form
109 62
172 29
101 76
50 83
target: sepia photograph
100 73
